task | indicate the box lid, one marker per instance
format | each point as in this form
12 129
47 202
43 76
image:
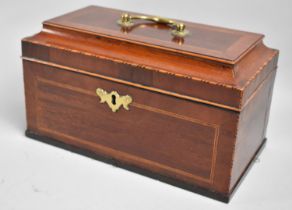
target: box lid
212 65
217 43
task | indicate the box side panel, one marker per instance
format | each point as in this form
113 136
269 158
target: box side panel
186 141
251 128
30 96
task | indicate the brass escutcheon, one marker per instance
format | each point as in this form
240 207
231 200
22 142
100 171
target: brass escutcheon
113 99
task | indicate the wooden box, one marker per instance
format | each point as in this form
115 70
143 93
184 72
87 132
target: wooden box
187 104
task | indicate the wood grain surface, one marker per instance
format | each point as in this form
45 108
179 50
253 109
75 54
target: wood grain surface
199 112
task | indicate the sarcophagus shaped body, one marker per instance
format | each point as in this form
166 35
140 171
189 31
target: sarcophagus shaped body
187 104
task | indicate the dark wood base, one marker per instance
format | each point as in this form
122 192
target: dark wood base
190 187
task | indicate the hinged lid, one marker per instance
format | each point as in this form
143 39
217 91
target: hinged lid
217 43
211 65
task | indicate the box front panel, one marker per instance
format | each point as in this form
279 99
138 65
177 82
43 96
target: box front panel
177 138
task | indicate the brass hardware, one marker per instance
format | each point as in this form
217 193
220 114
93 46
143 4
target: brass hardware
179 29
114 100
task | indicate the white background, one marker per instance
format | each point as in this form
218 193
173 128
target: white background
34 175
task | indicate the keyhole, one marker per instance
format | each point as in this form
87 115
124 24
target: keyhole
113 99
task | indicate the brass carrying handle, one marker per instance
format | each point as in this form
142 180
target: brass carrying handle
179 29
